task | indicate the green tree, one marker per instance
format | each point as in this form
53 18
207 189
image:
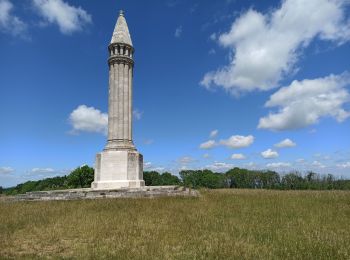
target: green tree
293 181
241 178
152 178
202 178
81 177
168 179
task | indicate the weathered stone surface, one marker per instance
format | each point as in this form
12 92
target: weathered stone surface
78 194
117 169
119 165
121 31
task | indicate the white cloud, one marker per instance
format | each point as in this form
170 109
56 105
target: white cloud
148 166
344 165
285 143
300 160
238 141
318 164
303 103
214 133
213 37
88 119
219 166
137 114
6 170
207 145
265 48
68 18
238 156
278 165
269 154
10 23
42 170
178 32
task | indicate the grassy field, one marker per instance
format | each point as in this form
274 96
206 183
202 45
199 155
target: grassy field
221 224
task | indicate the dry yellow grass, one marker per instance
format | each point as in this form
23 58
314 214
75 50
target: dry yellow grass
221 224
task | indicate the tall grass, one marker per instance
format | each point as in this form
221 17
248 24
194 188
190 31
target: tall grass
241 224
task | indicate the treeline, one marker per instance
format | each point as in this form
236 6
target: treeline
252 179
82 177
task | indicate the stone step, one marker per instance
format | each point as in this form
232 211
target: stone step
77 194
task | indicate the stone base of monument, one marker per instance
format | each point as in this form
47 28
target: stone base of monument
118 169
78 194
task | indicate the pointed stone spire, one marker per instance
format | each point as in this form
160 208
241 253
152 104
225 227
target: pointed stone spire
121 31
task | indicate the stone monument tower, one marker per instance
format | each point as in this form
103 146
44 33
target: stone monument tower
119 165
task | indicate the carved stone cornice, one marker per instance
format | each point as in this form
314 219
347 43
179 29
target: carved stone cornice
120 59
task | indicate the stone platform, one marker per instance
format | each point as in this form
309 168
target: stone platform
78 194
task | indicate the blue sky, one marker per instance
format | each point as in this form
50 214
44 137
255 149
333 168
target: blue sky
217 84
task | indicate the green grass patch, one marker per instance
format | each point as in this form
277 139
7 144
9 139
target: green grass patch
221 224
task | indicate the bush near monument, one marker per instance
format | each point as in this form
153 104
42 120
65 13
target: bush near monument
82 177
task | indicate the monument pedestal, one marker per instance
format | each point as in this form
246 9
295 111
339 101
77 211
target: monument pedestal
118 169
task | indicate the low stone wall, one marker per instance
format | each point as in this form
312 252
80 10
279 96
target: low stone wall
77 194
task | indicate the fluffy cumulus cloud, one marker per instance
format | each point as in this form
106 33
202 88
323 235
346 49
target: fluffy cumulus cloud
207 145
285 143
266 47
88 119
68 18
6 170
10 23
238 141
238 156
269 154
303 103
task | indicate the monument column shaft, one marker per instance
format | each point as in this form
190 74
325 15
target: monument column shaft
126 103
120 104
130 100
